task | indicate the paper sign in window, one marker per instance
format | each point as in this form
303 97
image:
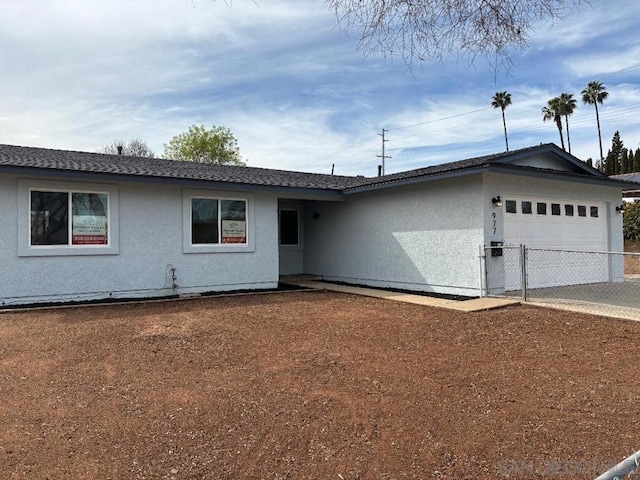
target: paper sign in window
89 230
234 231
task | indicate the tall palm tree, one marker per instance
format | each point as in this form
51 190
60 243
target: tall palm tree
502 100
595 93
567 105
553 111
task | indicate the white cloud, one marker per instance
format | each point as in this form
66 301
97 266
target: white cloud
291 87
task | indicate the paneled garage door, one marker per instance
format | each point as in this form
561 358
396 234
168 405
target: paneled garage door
557 224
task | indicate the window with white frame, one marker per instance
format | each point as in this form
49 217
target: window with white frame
69 218
60 218
216 222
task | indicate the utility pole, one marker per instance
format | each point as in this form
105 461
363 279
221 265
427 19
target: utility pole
383 156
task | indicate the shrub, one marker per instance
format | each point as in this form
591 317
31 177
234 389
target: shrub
631 221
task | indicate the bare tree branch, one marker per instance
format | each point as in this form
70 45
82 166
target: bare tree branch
420 30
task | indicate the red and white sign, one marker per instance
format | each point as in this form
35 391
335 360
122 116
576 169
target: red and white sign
89 230
234 231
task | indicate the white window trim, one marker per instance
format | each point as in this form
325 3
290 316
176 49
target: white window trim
188 247
25 249
300 244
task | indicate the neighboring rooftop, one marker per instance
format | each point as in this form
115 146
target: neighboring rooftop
628 177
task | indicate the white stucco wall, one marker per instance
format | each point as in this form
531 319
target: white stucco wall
150 243
420 237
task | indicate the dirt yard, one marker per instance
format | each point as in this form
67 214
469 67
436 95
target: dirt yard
632 262
314 385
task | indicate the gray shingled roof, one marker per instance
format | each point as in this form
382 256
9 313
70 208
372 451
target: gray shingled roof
70 161
628 177
96 163
502 158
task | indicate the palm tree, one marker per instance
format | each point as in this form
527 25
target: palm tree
595 93
567 105
553 111
502 100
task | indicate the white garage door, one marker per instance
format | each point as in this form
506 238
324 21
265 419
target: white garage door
561 225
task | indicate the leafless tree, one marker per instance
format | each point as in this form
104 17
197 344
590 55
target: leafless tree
419 30
133 148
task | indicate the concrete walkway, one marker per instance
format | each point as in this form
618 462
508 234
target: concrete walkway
473 305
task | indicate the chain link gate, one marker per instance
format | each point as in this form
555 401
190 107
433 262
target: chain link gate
603 283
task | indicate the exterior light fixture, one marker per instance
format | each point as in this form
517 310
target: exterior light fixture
497 201
620 209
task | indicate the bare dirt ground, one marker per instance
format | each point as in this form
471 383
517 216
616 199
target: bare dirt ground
632 263
314 385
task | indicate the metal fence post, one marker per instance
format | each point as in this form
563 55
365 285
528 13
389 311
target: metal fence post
523 270
484 275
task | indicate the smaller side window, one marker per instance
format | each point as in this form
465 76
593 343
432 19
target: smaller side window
555 209
582 211
526 207
541 208
510 206
594 211
289 227
568 210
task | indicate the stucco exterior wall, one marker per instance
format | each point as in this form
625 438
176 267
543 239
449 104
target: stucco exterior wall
422 237
150 240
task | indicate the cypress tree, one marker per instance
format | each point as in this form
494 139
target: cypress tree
624 161
609 167
636 160
614 156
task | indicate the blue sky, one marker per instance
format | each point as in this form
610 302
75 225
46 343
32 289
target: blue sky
292 87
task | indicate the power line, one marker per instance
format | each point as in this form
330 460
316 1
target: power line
610 113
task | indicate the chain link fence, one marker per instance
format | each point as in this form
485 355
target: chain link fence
603 283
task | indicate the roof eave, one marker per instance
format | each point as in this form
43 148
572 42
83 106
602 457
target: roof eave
563 176
416 179
301 192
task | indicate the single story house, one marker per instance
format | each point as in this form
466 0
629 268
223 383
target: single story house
80 226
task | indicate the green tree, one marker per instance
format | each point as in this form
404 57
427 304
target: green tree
217 146
133 148
567 106
624 161
553 111
502 100
631 221
417 31
612 164
636 160
595 93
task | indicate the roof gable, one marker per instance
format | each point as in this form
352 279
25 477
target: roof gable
547 158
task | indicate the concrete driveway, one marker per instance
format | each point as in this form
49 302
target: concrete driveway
612 299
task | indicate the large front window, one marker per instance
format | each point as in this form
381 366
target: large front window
215 221
69 218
